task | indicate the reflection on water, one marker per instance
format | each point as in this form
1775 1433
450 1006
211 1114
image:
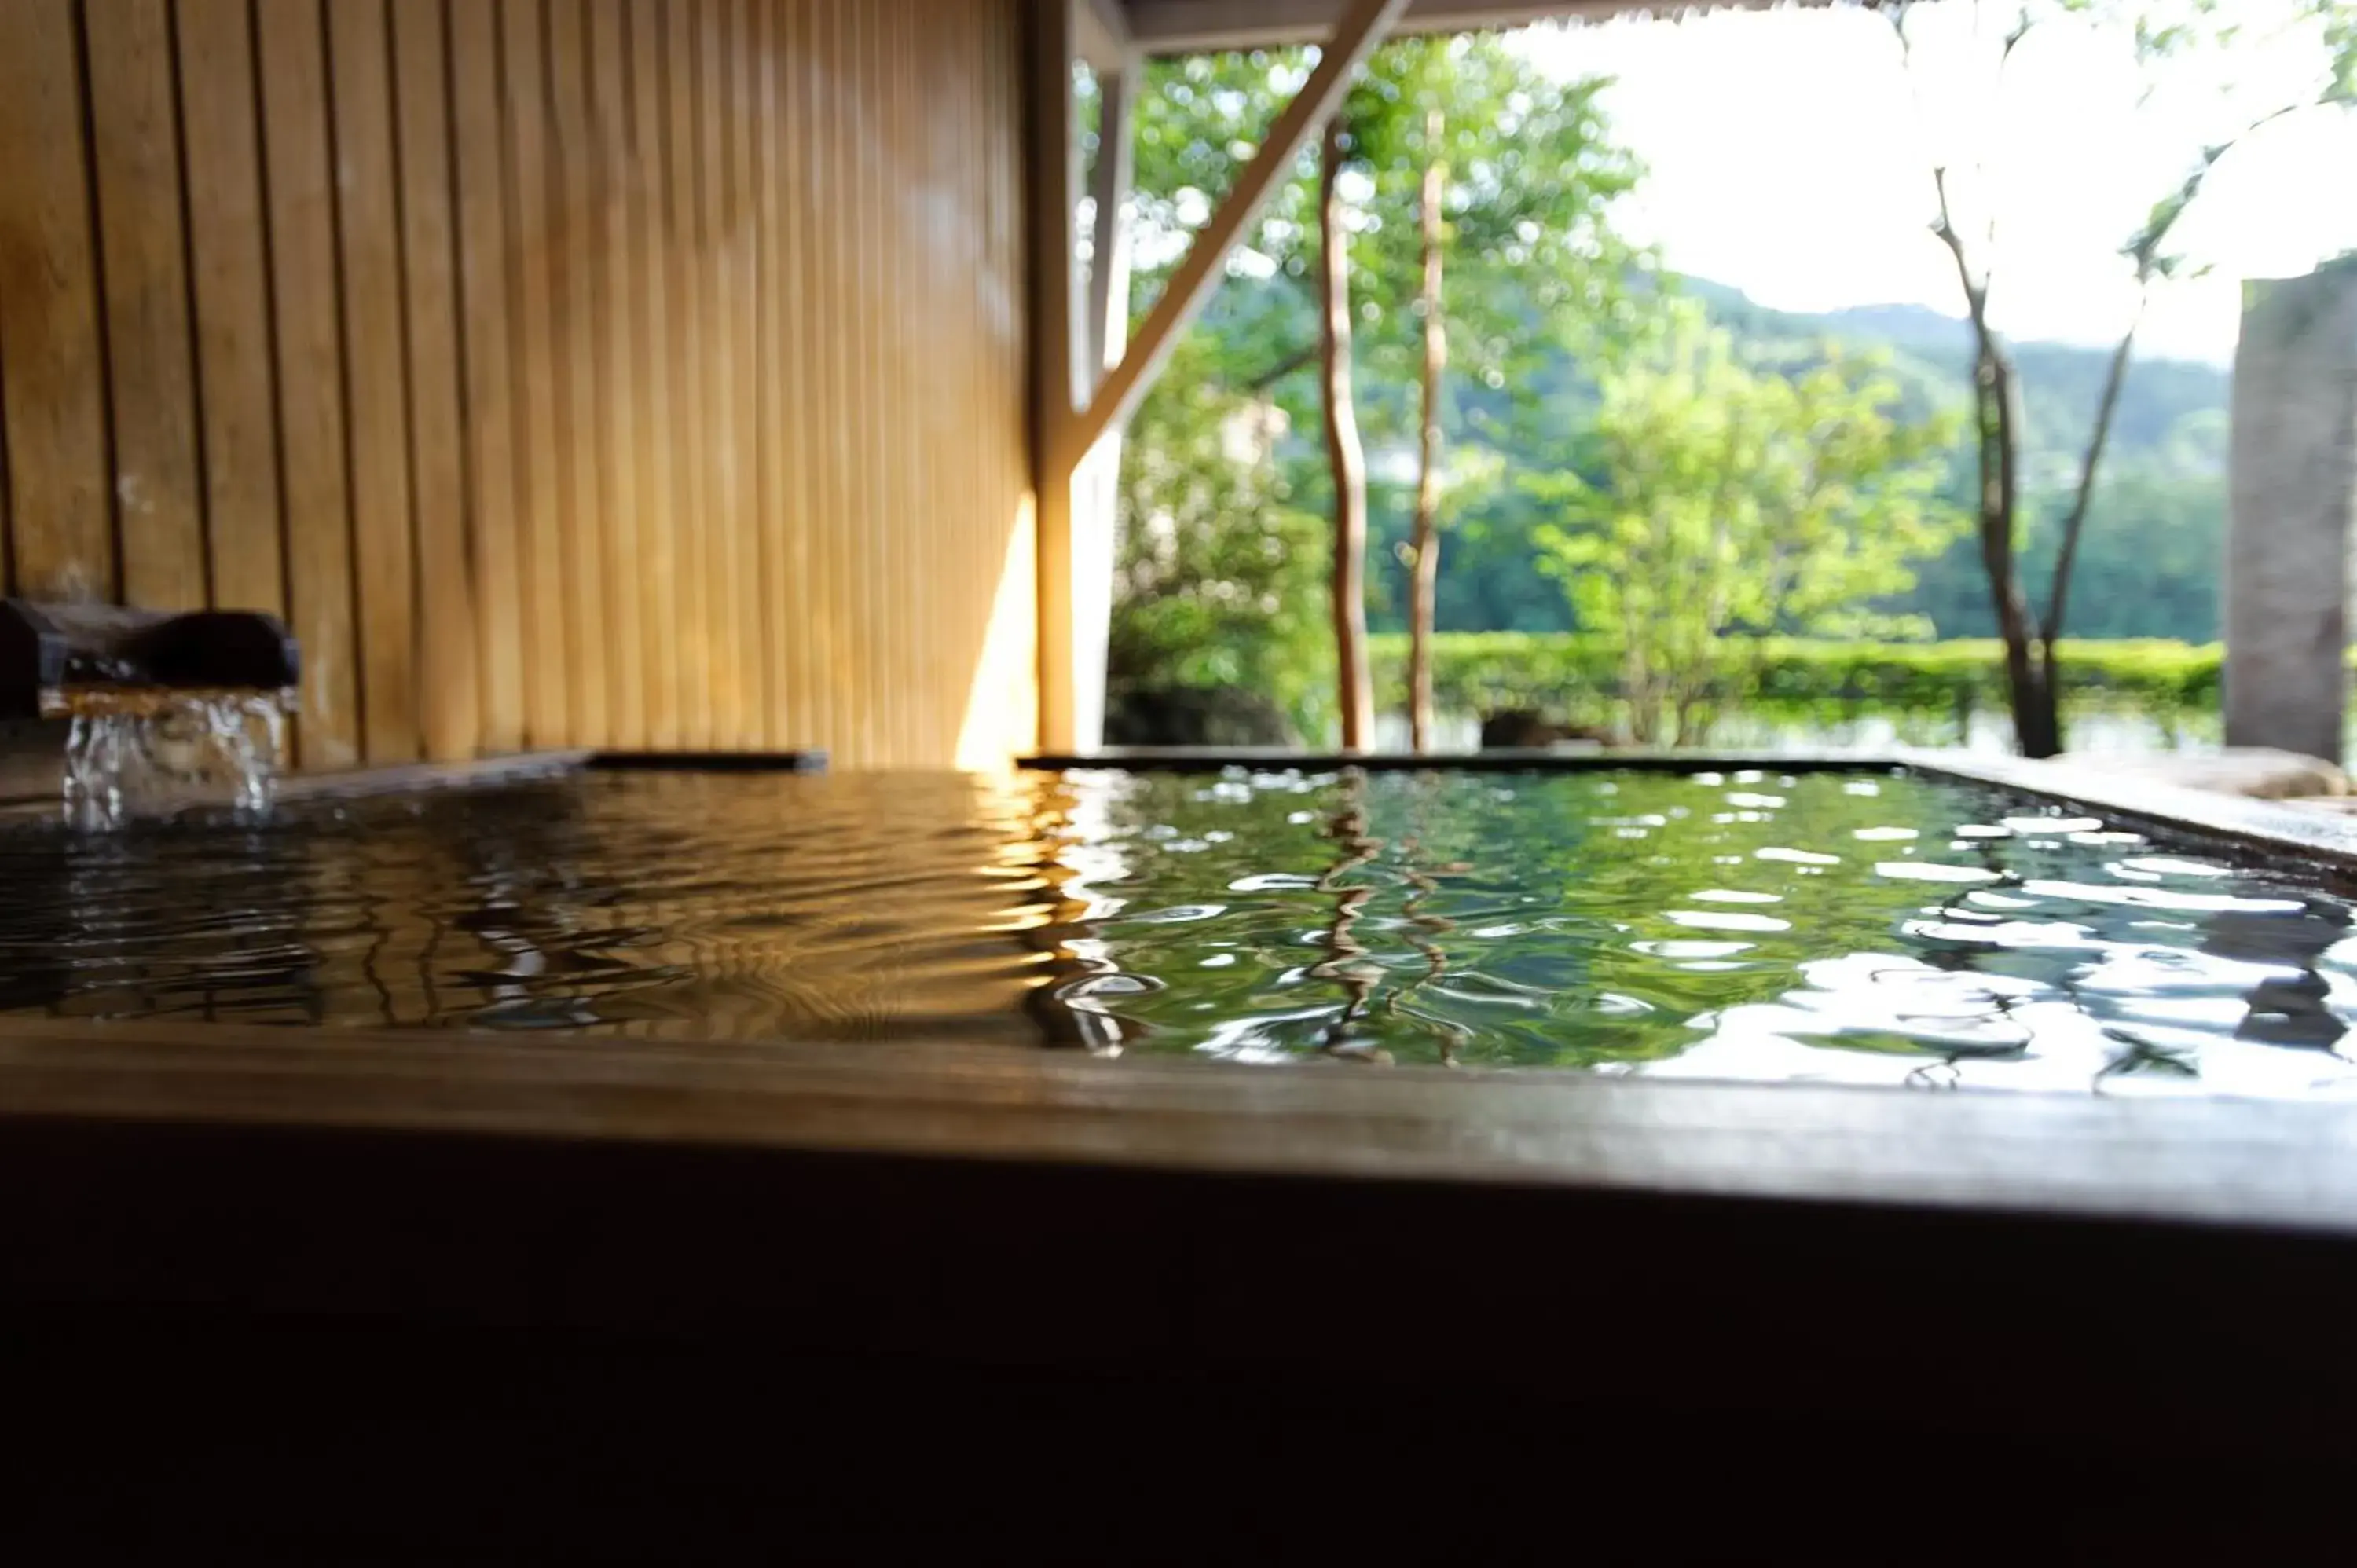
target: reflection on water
671 905
1833 927
1837 928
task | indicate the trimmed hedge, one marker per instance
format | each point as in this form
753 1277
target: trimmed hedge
1574 677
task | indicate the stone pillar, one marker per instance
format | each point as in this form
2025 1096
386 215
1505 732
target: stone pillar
2293 475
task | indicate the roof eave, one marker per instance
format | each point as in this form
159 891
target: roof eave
1200 27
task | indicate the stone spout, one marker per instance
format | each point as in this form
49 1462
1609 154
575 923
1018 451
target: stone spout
57 660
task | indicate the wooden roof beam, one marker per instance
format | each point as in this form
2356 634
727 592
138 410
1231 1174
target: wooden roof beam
1197 26
1101 36
1364 25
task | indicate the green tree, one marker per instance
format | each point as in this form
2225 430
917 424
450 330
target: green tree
1217 576
1531 175
1733 500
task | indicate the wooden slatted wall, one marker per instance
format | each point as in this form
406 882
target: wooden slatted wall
636 373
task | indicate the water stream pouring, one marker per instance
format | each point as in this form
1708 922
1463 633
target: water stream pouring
161 710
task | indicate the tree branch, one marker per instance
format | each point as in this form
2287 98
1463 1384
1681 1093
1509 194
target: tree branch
1975 289
1294 362
2058 597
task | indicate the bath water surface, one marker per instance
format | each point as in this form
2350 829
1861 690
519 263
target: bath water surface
1870 927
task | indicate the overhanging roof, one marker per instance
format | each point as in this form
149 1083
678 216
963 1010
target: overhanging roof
1191 27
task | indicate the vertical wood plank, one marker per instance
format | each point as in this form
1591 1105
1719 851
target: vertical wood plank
892 446
746 286
816 493
716 359
657 581
748 245
992 521
893 467
444 632
1010 330
867 535
229 248
856 729
762 107
774 417
52 352
687 235
573 266
951 217
491 441
885 545
376 381
855 171
619 376
945 217
143 230
995 521
804 638
913 246
532 233
298 145
822 323
7 532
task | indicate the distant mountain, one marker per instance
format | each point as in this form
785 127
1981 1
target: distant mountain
1912 328
2149 565
2172 412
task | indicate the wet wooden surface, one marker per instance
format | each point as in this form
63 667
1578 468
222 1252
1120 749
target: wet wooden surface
991 1272
2190 1160
1460 1268
381 1263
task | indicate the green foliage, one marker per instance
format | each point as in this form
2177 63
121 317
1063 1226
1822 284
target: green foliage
1223 551
1578 677
1218 581
2164 38
1539 288
1532 171
2149 563
1728 500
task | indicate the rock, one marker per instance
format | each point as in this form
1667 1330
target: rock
2261 773
1187 715
2334 805
1525 729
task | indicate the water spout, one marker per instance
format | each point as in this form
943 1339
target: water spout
161 710
144 751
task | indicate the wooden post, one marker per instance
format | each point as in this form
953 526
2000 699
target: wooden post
1361 29
1109 188
1060 338
1097 478
1073 430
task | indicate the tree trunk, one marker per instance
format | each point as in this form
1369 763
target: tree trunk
2028 677
1426 541
2037 725
2030 688
1345 456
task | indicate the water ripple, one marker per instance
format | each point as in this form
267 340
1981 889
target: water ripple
1630 923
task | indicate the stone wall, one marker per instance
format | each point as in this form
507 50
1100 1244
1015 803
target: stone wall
2294 484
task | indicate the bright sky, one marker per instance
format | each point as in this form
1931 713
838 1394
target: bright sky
1788 155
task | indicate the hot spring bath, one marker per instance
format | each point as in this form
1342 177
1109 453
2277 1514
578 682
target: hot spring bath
1866 926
